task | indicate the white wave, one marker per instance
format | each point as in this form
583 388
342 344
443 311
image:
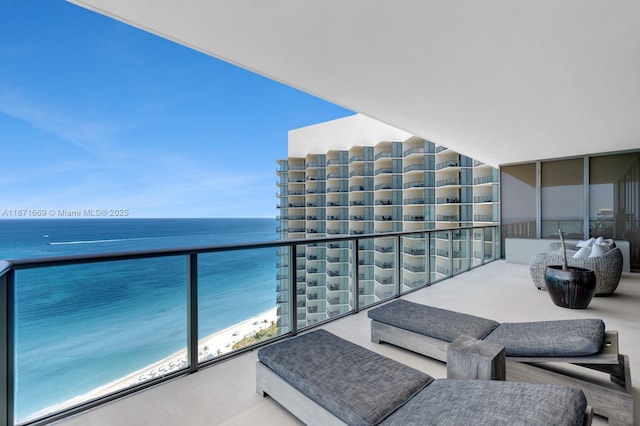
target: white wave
64 243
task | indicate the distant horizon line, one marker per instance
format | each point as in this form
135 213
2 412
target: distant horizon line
130 218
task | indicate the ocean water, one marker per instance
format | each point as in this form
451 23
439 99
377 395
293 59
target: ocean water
79 327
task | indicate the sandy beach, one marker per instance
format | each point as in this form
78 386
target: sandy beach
209 347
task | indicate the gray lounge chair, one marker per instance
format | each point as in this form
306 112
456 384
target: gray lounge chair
325 380
535 350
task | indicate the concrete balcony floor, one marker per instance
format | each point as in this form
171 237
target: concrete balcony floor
225 393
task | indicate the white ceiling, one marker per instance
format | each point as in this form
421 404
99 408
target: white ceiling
502 81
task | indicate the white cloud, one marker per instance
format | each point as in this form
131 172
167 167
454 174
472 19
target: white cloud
90 134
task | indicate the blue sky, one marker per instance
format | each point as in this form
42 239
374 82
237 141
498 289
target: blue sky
95 114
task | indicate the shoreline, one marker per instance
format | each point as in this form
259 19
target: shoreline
216 344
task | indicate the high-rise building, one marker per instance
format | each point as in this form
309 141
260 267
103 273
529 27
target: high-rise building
357 176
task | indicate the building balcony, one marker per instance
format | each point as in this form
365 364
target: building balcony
483 218
294 205
448 182
335 162
192 398
483 199
411 151
449 163
414 251
487 283
383 249
448 200
414 268
485 180
335 176
414 167
414 184
415 201
335 189
448 218
382 186
384 170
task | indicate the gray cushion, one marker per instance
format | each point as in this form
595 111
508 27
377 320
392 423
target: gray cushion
358 386
438 323
577 337
488 402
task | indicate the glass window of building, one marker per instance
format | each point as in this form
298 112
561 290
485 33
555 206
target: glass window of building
518 187
562 198
614 200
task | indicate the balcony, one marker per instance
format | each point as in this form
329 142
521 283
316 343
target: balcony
483 218
384 170
416 167
448 182
445 164
448 218
414 184
448 200
484 180
498 276
383 186
415 201
192 398
416 150
483 199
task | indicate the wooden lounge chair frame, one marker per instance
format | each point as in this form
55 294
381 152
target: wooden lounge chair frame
612 400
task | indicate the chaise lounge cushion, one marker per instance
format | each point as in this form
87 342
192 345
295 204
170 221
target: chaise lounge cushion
438 323
559 338
488 402
311 364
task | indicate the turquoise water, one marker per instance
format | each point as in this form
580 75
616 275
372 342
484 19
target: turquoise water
78 327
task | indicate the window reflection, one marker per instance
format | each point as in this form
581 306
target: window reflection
562 198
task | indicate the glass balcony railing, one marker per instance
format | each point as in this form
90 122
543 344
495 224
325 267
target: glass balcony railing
446 182
449 163
190 307
414 184
413 167
417 150
485 179
482 199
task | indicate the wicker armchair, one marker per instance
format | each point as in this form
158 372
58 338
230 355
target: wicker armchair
608 267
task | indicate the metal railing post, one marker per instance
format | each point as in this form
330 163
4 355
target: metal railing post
7 322
469 249
482 238
293 288
427 257
192 311
450 248
398 270
356 278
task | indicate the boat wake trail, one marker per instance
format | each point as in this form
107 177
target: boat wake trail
114 240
